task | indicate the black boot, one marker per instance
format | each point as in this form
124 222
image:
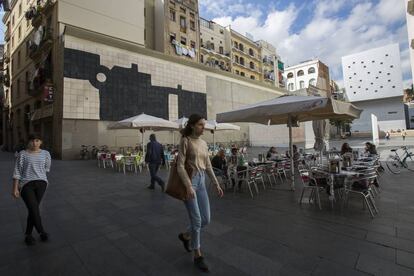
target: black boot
44 237
29 240
199 262
186 242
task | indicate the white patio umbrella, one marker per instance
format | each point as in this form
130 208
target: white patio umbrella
213 126
290 110
181 122
144 122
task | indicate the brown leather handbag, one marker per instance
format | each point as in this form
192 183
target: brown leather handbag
175 186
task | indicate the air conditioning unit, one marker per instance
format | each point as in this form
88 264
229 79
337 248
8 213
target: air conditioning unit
410 7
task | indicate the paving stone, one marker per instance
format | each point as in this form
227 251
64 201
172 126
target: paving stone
107 229
405 258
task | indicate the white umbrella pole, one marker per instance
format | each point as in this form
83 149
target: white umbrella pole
142 138
292 165
214 141
173 136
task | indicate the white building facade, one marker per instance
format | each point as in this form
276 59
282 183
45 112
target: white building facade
373 82
308 73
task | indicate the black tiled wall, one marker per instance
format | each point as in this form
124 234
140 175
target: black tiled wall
127 92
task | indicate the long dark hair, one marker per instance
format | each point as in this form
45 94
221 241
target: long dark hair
192 121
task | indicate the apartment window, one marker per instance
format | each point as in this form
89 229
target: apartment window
221 50
237 72
12 41
201 58
192 15
242 74
251 65
312 82
302 84
27 81
18 88
301 73
172 37
252 77
172 15
183 10
18 59
291 87
236 45
241 47
183 40
183 24
19 33
251 52
192 25
221 31
236 59
27 23
241 61
193 44
20 10
12 21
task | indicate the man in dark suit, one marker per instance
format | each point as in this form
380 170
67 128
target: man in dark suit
155 157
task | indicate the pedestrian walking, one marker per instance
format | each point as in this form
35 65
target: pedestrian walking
155 158
30 183
192 166
387 135
403 134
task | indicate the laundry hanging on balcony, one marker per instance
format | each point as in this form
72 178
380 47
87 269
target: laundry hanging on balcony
183 50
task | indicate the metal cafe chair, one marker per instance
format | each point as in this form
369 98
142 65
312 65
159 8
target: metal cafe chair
361 186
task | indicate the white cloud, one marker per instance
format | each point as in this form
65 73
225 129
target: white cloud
327 36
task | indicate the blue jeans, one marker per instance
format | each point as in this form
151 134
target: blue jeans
198 209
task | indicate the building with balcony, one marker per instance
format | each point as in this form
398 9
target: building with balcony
77 66
309 73
373 82
215 45
176 28
28 59
246 58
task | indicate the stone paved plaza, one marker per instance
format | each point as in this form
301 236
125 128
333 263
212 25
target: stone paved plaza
107 223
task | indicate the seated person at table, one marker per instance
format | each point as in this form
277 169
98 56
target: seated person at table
272 154
345 148
219 163
370 148
296 155
234 160
347 155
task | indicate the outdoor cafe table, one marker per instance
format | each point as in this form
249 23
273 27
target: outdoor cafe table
347 174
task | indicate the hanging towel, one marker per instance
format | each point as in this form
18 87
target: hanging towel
178 50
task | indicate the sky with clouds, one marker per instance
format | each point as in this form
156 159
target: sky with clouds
324 29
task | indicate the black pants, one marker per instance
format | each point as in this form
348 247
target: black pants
153 168
32 194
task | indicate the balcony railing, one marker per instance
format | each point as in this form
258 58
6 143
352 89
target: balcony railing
7 35
36 51
6 57
36 13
